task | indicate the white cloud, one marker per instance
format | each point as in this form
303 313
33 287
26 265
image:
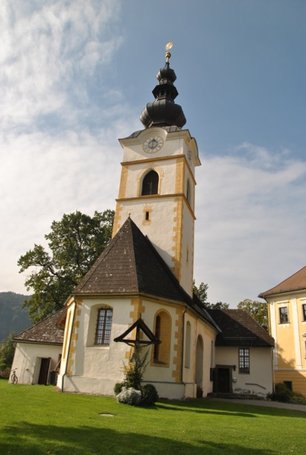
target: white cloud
46 53
249 236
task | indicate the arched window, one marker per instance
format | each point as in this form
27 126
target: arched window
199 365
104 326
187 345
150 183
162 331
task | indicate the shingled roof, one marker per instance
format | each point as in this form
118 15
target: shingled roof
296 282
239 329
131 265
47 331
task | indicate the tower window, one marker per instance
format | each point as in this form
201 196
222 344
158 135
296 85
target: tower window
147 216
150 184
188 192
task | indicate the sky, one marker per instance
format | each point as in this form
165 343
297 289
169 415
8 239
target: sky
75 76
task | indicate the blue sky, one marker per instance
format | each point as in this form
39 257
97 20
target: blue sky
75 76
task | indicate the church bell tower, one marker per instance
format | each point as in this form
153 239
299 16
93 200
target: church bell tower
157 185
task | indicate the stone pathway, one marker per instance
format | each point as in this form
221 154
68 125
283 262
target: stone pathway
266 404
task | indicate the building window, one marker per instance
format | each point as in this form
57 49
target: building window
150 184
283 315
288 384
244 360
161 353
304 311
104 326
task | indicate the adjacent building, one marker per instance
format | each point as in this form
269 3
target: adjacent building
287 319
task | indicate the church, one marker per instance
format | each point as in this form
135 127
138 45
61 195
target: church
140 289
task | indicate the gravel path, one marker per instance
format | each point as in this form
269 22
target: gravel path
266 404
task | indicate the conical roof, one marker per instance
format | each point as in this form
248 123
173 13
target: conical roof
131 265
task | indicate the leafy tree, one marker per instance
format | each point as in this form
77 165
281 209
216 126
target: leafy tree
7 350
258 311
201 292
74 244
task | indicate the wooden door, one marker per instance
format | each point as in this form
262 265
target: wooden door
44 371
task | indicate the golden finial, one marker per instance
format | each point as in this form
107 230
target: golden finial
168 47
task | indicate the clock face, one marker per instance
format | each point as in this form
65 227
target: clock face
153 144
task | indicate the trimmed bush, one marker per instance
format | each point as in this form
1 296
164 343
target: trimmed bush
129 396
149 395
118 387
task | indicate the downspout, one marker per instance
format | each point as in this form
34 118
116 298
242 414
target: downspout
69 345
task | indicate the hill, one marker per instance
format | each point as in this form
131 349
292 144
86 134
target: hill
13 318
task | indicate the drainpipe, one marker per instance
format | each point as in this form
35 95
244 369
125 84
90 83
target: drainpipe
69 345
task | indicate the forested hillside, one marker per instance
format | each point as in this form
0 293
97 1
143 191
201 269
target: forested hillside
13 318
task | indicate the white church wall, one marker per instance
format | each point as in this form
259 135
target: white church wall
96 369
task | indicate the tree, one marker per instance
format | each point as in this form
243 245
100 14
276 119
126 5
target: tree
258 311
74 244
7 350
201 292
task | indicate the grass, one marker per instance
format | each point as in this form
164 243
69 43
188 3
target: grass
41 420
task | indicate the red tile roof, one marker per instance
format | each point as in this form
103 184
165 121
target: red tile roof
295 282
48 331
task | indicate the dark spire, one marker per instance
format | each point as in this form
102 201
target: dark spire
163 111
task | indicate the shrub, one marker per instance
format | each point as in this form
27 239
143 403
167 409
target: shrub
149 395
134 370
281 393
129 396
5 373
118 387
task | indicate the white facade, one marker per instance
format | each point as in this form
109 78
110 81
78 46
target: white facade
259 380
29 359
96 369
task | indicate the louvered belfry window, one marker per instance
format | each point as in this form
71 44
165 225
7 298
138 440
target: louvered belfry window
104 326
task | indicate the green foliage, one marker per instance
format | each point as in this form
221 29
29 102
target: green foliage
283 394
118 387
149 395
258 311
7 350
74 244
13 317
133 371
201 292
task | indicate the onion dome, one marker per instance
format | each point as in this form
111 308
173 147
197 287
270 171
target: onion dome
163 111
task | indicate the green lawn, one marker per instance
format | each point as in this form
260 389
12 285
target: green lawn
41 420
